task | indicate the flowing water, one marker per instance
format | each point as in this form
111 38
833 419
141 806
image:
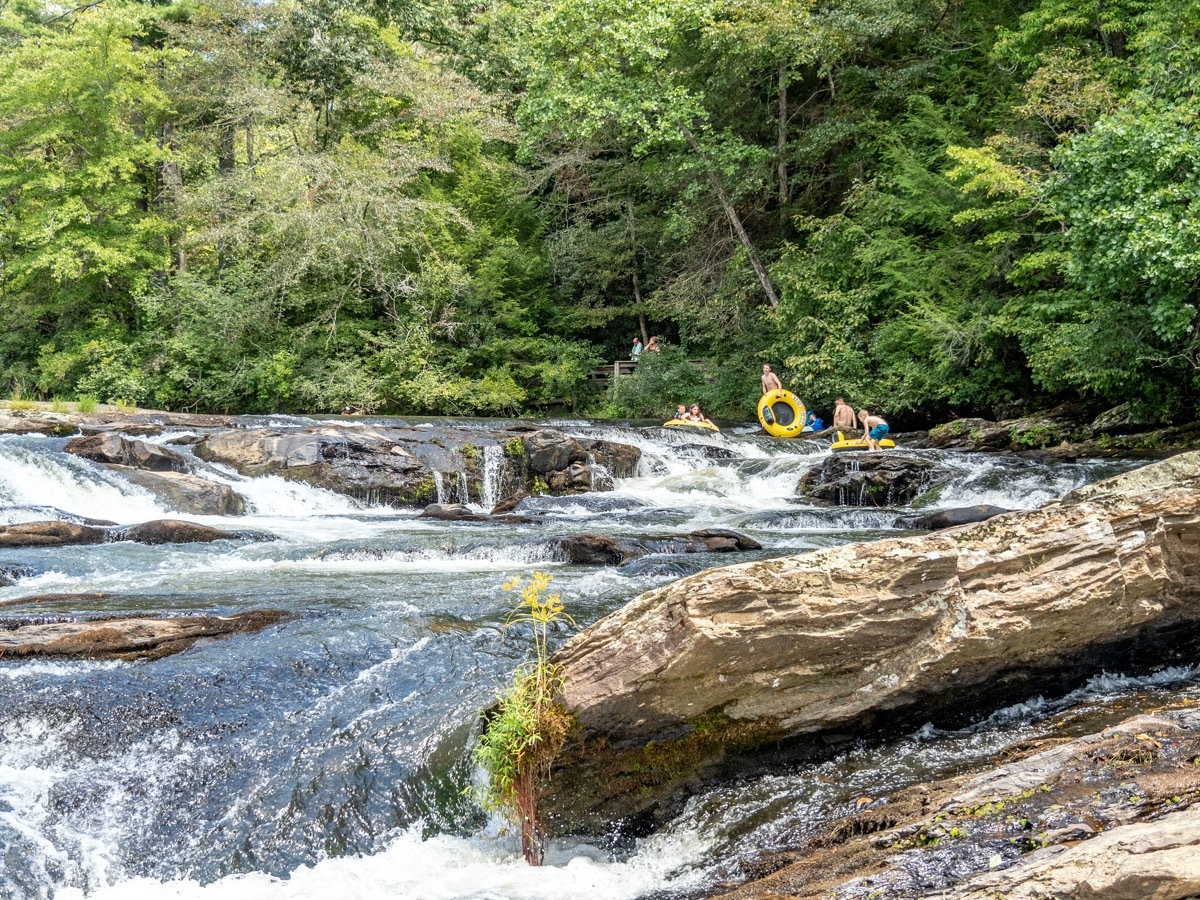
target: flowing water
327 757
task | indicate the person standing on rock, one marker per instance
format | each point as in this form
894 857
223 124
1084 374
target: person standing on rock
843 416
875 429
770 381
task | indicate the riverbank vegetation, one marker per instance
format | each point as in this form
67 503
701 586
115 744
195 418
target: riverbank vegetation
934 207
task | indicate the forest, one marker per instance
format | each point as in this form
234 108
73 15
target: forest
934 207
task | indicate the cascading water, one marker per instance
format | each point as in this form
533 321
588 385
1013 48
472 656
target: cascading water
326 756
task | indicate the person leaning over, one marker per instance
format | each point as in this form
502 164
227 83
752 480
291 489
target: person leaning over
843 415
770 381
875 429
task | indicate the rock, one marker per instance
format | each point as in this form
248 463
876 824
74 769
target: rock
37 422
940 839
171 531
366 465
50 534
620 460
127 638
142 429
451 512
188 494
950 518
603 550
1135 862
895 631
550 451
10 574
115 449
1123 419
509 504
868 479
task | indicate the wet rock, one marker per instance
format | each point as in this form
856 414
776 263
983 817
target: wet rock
509 504
10 574
949 518
171 531
50 534
367 466
844 639
116 449
451 512
129 429
550 452
603 550
869 479
620 460
140 637
1123 419
188 494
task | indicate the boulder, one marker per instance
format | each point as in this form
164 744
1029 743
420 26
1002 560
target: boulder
365 465
139 637
115 449
603 550
188 494
10 574
509 504
549 451
37 422
887 633
620 460
171 531
950 518
869 479
50 534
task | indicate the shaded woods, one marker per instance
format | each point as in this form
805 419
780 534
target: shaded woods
933 207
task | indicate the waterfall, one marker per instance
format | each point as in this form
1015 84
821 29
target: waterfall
493 475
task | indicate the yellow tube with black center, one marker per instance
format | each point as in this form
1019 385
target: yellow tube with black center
781 414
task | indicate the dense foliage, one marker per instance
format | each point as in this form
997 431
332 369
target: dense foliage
932 207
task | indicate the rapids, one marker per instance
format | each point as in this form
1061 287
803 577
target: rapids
327 757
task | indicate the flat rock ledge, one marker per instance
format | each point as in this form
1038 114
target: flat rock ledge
1115 814
826 646
53 533
143 637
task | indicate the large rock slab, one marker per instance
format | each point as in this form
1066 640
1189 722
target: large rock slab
186 493
867 635
141 637
158 531
116 449
171 531
605 550
50 534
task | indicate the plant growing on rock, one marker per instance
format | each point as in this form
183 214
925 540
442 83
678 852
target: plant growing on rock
527 727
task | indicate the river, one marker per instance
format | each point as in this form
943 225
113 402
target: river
327 757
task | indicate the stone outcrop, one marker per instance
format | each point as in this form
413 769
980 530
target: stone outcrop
10 574
603 550
1112 814
458 512
171 531
869 479
874 635
188 494
116 449
141 637
950 518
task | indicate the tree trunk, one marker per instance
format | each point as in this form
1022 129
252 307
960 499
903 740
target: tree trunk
781 145
637 288
734 219
172 177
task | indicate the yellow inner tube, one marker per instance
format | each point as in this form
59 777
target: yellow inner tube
781 414
677 422
843 444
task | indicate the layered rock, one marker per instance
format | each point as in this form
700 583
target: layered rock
186 493
869 479
158 531
860 636
604 550
50 534
140 637
1104 815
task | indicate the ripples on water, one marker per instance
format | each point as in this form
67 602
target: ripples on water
326 757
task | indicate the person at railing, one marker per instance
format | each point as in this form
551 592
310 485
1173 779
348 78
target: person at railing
770 381
652 344
636 352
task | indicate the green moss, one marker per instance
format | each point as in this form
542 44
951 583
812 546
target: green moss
515 448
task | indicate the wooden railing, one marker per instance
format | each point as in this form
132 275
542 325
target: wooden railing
623 367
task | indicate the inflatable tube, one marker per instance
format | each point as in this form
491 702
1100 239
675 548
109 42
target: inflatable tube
681 423
843 444
781 414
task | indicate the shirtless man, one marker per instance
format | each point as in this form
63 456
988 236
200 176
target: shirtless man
843 416
770 381
875 429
